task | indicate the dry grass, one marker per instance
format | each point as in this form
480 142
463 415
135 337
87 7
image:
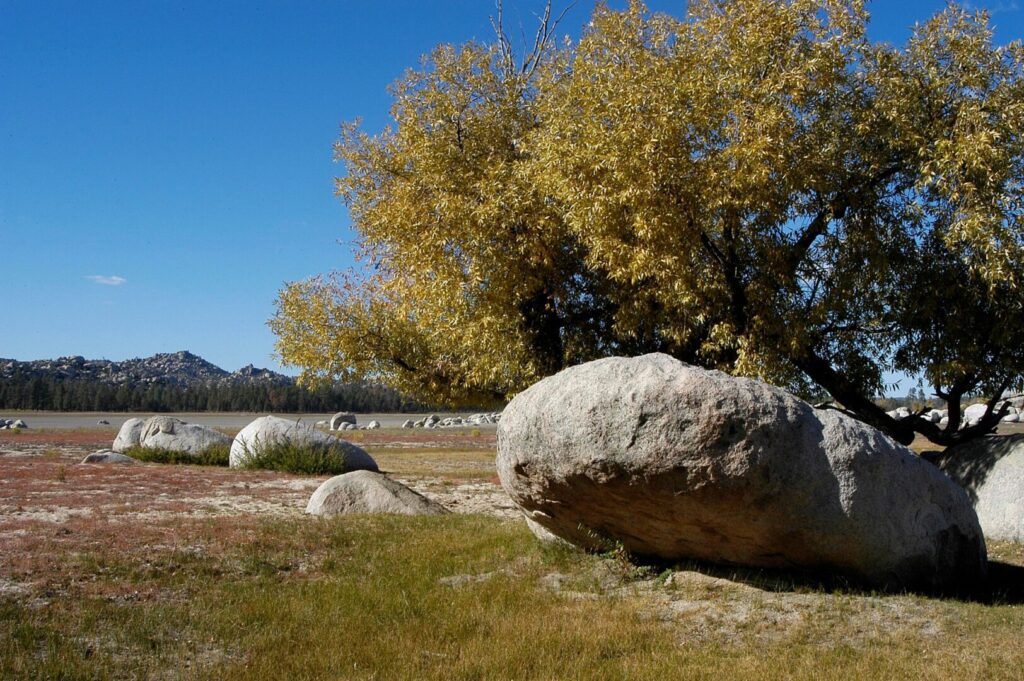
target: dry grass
922 444
458 597
454 464
190 572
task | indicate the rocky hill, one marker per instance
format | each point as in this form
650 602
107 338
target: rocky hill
168 368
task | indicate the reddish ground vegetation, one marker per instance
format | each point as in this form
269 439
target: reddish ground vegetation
92 437
54 510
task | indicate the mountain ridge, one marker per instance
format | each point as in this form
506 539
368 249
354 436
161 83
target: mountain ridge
182 368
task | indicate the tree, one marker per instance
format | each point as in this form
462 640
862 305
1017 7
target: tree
756 187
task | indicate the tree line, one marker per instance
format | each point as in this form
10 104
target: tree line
53 394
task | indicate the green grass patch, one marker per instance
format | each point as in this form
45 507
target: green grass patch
214 455
289 457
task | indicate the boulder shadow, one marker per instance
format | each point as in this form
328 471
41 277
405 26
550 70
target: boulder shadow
970 463
1004 586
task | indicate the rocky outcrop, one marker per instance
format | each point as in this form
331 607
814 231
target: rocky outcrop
270 431
169 368
368 492
991 469
676 462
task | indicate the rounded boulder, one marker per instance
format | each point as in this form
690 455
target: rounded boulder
108 456
269 431
167 432
368 492
991 470
129 435
341 418
674 462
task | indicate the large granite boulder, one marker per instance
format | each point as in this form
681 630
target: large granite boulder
167 432
269 431
991 469
368 492
674 462
129 435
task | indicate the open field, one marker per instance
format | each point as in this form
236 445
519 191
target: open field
172 572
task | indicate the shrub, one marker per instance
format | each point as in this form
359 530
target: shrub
214 455
296 458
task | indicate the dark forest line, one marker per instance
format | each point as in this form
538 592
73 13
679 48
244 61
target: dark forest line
52 394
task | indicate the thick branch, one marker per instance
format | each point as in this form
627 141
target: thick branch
841 388
836 210
729 262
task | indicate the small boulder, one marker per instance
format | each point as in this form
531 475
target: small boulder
991 469
373 425
973 413
268 431
108 456
129 435
368 492
342 417
18 425
408 423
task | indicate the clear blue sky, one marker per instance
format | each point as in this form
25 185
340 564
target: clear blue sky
166 166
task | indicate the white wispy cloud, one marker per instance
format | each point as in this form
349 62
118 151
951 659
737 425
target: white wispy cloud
996 8
106 281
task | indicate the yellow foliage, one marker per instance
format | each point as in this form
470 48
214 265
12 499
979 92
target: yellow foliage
747 186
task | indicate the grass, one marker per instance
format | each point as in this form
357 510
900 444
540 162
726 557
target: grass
283 457
462 464
158 591
296 458
465 597
214 455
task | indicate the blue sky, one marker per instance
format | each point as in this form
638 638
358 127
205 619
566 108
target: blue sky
165 167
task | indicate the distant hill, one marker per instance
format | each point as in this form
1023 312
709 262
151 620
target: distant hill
178 381
167 368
